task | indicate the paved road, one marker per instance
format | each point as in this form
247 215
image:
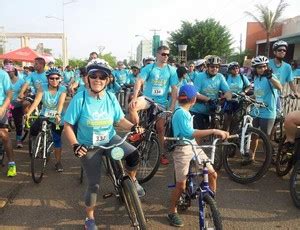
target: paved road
56 203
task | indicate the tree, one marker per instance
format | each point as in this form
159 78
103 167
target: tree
239 56
112 60
202 38
268 19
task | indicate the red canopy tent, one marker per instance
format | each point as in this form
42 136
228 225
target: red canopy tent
24 54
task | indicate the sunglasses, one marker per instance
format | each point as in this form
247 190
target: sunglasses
100 77
165 54
214 66
262 67
281 50
54 78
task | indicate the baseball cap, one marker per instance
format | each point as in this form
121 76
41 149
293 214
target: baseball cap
187 92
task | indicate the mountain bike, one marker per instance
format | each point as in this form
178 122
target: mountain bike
124 187
249 159
197 186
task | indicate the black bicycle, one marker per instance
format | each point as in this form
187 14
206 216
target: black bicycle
124 187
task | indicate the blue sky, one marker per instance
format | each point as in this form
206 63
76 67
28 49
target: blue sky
114 23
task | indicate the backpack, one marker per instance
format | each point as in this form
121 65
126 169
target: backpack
170 145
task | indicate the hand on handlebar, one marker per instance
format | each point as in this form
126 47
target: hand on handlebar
222 134
137 129
79 150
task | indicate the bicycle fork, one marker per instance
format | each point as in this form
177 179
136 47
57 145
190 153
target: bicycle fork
245 149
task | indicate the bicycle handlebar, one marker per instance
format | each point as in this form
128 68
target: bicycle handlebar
251 100
113 145
27 124
190 142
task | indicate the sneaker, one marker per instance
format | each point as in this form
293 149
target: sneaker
59 167
140 190
175 220
19 144
12 170
164 160
90 224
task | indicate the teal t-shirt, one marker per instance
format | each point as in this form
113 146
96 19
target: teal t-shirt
236 84
16 87
182 124
121 76
50 101
132 79
265 92
36 79
68 75
283 73
296 73
158 81
79 80
113 87
210 87
94 118
5 85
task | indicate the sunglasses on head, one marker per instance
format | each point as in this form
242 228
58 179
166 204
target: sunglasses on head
281 50
54 78
165 54
99 76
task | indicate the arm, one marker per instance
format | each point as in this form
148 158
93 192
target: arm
201 98
203 133
136 91
125 124
293 88
228 95
60 107
36 102
70 135
23 90
6 102
173 97
276 83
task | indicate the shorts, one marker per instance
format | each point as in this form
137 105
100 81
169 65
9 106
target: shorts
182 156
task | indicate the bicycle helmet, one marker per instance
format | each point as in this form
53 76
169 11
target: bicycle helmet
150 58
213 60
278 44
200 62
53 71
259 60
97 61
231 65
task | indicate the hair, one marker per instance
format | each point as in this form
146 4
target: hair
26 67
31 68
40 60
294 64
82 71
184 101
160 48
181 71
93 53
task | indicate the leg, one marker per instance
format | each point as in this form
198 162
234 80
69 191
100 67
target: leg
4 135
291 122
160 129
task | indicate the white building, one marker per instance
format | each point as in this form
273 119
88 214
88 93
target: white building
143 50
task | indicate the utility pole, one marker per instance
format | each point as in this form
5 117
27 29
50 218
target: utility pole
2 40
155 41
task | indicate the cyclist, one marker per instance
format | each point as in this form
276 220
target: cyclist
121 74
68 76
52 95
35 79
80 81
208 84
94 111
135 70
183 153
17 111
191 72
5 97
148 60
237 83
156 78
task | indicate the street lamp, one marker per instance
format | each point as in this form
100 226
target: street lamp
182 49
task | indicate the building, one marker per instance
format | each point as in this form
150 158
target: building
288 30
143 50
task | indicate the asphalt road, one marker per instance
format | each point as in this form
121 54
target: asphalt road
57 203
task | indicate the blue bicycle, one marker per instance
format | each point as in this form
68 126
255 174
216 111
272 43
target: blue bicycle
197 186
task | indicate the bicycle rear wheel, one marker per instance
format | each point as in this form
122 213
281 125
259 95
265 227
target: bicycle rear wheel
149 159
284 162
295 184
212 216
133 204
38 161
242 169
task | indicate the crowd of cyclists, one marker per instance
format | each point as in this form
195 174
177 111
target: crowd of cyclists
94 111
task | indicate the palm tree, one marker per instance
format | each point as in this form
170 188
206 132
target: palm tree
268 19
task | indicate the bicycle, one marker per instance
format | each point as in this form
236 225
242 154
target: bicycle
125 190
148 145
197 188
244 164
295 176
40 150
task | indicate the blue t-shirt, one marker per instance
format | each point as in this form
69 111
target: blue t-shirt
265 92
132 79
79 80
236 84
5 85
113 87
36 79
296 72
94 118
191 76
50 101
182 124
16 88
283 73
158 81
210 87
68 75
121 76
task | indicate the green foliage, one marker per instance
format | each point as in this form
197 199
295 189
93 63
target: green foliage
239 57
202 38
58 62
77 62
112 60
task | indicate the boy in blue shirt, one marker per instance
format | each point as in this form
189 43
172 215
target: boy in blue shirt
182 123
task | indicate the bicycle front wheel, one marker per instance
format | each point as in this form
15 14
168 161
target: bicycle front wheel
38 161
295 184
149 151
211 215
133 204
284 161
255 161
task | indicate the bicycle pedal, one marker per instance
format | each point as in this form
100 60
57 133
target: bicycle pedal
108 195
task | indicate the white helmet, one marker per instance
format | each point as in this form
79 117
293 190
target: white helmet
213 60
200 62
259 60
97 61
278 44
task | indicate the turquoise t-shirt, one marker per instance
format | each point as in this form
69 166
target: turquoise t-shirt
284 73
264 92
36 79
94 118
50 101
132 79
158 81
80 88
210 87
121 76
296 72
79 80
191 76
5 85
182 124
113 87
16 87
236 84
68 75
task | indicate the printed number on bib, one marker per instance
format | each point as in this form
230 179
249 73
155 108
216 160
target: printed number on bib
100 139
50 113
157 91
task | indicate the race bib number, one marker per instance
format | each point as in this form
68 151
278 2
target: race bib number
50 113
100 139
157 91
